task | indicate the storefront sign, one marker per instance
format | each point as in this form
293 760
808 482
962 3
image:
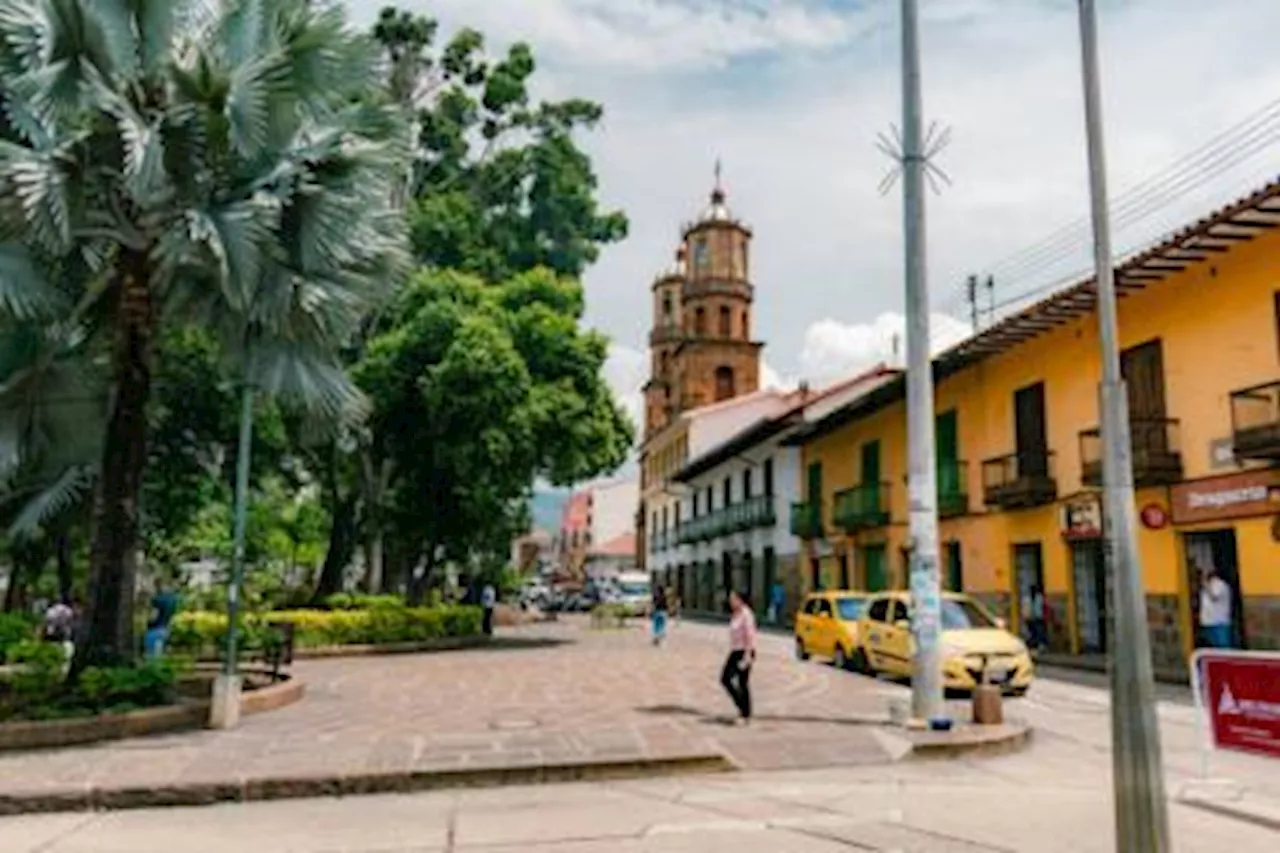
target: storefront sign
1154 517
1232 496
1243 701
1082 518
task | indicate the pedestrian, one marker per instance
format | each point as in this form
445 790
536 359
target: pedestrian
164 605
1215 609
736 675
1037 636
59 624
488 600
776 595
659 614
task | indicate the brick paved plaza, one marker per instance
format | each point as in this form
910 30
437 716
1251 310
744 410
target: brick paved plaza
570 694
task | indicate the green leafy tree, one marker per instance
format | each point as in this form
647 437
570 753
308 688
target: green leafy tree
500 185
172 161
481 388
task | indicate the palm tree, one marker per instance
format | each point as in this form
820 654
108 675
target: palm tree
174 161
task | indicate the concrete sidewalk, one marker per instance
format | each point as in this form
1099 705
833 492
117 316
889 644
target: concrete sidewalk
1003 805
581 699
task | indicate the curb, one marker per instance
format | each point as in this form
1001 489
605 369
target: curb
971 740
1267 818
350 785
445 645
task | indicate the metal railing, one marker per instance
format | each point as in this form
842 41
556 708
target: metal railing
862 507
1021 479
806 519
1155 446
1255 421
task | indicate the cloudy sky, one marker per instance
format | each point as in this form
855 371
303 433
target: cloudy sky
791 94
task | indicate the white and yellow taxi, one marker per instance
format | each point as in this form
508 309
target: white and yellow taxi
976 647
827 626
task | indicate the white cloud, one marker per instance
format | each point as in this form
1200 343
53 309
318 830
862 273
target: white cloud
833 349
792 95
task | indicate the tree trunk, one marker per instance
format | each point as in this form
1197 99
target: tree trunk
373 556
113 556
342 542
66 577
418 585
17 581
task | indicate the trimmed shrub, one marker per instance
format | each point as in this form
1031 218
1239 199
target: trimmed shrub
15 628
198 632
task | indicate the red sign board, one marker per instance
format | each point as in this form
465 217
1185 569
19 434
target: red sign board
1154 517
1243 697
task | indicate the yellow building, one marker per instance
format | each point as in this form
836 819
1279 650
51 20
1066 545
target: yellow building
1020 456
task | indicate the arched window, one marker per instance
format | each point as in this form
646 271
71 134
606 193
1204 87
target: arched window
700 322
746 326
726 322
724 383
664 363
666 308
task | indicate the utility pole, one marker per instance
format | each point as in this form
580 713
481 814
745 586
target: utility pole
972 291
991 300
1142 821
922 483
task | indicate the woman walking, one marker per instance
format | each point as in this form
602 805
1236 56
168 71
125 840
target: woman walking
659 614
736 676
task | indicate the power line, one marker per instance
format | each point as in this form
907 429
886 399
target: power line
1222 152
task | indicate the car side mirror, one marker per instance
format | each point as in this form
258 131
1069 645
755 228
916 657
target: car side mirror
902 625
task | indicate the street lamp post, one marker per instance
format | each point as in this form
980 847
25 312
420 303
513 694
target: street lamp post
1141 816
225 711
922 484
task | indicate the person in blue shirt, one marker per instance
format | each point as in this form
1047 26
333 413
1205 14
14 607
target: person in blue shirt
164 605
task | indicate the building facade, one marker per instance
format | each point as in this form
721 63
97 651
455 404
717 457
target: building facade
1019 450
700 345
733 500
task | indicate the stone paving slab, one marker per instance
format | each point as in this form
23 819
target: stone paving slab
577 697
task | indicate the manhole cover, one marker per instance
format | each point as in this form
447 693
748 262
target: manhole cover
514 725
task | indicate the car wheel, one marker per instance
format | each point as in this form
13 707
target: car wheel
840 661
801 654
1019 692
860 662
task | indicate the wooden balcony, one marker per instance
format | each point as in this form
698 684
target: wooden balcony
1019 480
750 514
863 507
1157 457
806 520
1255 422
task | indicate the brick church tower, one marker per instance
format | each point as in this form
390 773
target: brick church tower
700 344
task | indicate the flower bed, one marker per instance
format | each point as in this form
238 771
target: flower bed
202 632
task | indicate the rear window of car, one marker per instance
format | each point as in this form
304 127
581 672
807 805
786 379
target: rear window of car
850 609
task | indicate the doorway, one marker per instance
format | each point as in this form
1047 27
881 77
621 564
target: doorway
844 570
873 566
1030 433
1028 566
955 567
1090 577
1215 548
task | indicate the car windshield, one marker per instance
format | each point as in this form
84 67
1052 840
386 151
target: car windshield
959 614
850 609
634 588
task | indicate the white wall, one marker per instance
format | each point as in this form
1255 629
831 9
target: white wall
613 509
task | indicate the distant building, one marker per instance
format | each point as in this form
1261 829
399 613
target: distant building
700 345
531 552
612 556
597 516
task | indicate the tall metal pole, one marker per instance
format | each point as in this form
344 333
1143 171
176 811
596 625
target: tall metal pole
922 482
230 665
1142 821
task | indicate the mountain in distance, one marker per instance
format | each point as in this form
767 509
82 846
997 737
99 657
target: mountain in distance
547 507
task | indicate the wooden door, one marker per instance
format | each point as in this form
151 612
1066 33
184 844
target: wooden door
871 463
1029 430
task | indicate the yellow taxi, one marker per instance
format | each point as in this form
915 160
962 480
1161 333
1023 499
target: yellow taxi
976 647
827 626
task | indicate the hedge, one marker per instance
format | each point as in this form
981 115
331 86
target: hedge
199 631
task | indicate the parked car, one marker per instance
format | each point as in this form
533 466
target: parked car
635 592
827 626
976 646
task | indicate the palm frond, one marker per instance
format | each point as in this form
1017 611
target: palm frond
24 292
49 501
305 378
